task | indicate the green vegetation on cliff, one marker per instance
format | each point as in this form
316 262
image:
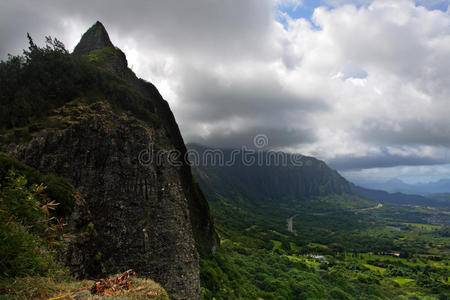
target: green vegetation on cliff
32 207
56 188
46 78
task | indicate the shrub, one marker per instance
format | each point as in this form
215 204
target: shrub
24 232
337 293
56 187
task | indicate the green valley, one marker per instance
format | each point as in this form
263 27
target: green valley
342 246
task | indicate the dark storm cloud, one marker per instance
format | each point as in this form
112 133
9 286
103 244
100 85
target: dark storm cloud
245 138
16 19
185 25
408 132
212 98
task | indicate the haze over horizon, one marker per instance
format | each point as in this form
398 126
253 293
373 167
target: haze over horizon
363 85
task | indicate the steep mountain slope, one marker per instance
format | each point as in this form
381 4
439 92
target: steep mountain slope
87 118
267 182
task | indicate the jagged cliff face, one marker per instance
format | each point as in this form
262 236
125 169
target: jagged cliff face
140 213
269 182
149 216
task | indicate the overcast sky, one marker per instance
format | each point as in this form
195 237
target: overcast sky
364 85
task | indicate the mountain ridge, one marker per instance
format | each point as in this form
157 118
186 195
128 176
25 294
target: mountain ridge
398 198
397 185
299 177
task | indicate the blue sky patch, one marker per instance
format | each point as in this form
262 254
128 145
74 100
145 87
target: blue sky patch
434 4
306 9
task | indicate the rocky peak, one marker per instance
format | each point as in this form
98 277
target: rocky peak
95 38
98 48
